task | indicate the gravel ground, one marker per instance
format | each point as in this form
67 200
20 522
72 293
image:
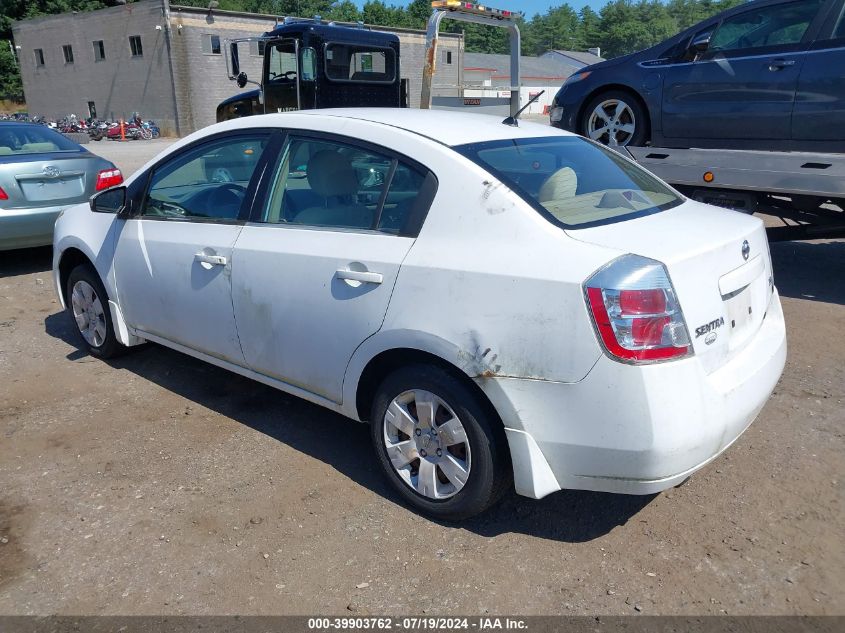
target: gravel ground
157 484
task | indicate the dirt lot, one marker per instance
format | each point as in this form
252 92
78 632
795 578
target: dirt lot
157 484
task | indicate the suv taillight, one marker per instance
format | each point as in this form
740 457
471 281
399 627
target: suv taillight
3 194
108 178
635 311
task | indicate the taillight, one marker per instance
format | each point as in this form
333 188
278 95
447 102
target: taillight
3 194
635 311
108 178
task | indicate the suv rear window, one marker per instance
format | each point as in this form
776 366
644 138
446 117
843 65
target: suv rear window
574 182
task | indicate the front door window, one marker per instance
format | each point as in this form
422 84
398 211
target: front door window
208 182
777 25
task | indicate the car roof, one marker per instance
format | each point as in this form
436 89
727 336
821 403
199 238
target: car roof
448 127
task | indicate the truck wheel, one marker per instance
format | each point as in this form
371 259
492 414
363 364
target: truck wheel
437 444
88 305
615 118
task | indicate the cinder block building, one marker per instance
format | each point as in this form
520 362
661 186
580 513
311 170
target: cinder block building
166 61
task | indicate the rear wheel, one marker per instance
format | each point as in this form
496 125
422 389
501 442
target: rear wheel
615 118
88 305
437 444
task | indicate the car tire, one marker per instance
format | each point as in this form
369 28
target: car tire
479 456
88 307
632 113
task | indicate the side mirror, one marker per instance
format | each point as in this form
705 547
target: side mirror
235 60
241 80
701 43
109 201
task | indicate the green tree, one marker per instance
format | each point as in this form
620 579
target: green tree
590 27
346 11
559 28
417 13
10 78
378 13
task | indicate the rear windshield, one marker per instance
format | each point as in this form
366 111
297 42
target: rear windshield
571 180
33 139
360 63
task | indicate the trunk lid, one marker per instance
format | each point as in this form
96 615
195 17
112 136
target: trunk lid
724 295
49 179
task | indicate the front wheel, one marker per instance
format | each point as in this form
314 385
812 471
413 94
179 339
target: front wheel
88 305
615 119
437 444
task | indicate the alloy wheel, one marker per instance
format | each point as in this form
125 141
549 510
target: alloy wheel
427 444
612 123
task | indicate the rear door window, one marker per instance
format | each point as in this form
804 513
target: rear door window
329 183
574 182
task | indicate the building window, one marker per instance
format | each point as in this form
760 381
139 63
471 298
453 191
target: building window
447 57
135 46
39 57
67 49
211 44
99 51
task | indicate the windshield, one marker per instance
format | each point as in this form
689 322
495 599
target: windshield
576 182
33 139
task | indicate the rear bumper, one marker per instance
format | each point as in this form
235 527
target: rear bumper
635 429
24 228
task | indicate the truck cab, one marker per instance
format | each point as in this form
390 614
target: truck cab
309 64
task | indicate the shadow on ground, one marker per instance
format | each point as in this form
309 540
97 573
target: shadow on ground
814 271
811 271
570 516
26 261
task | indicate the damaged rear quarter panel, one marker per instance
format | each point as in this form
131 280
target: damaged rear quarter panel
495 284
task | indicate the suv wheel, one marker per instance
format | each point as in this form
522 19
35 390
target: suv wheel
616 119
437 445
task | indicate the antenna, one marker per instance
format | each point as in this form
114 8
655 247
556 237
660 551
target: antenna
512 120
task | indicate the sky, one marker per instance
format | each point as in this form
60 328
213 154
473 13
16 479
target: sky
528 7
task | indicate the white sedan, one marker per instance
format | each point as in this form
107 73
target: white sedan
500 303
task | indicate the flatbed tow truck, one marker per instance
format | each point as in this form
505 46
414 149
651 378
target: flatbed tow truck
308 63
806 190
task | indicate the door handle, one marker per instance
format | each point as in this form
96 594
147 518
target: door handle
358 275
780 64
214 260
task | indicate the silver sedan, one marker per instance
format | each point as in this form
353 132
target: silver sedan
41 174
